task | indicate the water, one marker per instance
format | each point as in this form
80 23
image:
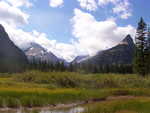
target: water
71 110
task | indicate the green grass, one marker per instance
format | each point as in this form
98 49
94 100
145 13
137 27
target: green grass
76 80
37 89
137 105
15 97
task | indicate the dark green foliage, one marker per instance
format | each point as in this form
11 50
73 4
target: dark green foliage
115 68
91 68
122 53
142 53
12 102
46 66
12 59
117 59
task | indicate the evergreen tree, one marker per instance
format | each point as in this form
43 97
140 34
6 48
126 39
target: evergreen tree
140 66
147 51
71 67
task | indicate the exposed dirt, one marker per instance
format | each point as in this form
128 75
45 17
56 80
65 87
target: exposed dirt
120 97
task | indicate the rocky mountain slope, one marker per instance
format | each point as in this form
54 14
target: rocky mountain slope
37 52
121 54
12 59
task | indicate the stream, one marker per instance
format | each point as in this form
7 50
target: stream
69 110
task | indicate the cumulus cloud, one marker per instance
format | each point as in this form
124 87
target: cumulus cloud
105 2
56 3
23 40
12 15
88 4
93 35
90 35
61 50
19 3
123 9
120 7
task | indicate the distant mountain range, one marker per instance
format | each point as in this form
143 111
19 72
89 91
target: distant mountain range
12 59
79 59
37 52
10 54
121 54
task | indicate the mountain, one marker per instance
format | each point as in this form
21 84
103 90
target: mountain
37 52
79 59
12 59
120 54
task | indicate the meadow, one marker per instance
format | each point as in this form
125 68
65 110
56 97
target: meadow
40 89
135 105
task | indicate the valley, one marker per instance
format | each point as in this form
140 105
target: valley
108 73
59 90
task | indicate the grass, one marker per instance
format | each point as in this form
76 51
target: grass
137 105
76 80
43 97
37 89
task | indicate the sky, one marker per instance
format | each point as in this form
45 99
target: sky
70 28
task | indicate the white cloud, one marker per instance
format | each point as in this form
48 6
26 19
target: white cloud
93 36
120 7
23 40
56 3
66 51
123 9
90 5
62 50
12 15
19 3
105 2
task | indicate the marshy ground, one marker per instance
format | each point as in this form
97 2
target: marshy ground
98 93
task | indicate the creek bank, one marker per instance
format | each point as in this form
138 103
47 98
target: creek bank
72 105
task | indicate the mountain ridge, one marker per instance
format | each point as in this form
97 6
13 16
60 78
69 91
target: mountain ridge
12 59
120 54
37 52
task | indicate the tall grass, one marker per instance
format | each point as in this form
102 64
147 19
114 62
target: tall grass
43 97
76 80
137 105
37 88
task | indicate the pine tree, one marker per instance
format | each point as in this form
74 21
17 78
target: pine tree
147 51
140 66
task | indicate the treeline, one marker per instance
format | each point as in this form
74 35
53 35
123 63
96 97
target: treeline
114 68
141 64
46 66
82 68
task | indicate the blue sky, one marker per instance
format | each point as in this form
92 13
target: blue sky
69 28
55 22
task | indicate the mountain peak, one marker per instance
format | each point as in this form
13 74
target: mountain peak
120 54
2 30
1 26
36 51
127 40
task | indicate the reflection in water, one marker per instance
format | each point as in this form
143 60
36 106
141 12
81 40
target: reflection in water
72 110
